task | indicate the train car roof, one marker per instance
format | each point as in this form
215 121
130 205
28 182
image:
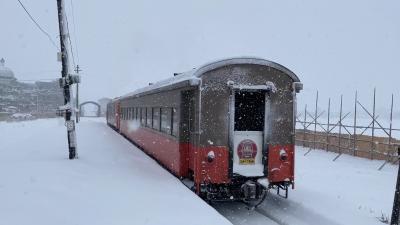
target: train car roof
192 77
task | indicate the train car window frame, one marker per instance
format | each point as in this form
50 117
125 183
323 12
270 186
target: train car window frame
156 124
149 117
175 122
140 115
143 116
128 112
136 113
166 119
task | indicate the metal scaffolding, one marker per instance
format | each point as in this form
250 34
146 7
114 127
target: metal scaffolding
313 132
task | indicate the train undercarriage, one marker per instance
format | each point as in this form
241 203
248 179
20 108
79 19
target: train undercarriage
251 191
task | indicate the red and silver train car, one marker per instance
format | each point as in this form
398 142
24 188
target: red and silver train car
227 128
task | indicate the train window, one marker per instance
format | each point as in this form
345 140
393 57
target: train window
156 118
249 111
135 114
139 114
166 120
175 124
143 117
149 117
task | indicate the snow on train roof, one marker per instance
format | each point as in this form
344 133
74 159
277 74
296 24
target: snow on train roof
193 75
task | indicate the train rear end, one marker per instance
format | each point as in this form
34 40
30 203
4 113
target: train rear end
252 107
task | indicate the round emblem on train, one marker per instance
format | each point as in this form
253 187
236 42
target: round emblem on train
247 151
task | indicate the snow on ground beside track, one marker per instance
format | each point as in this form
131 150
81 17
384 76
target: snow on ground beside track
239 214
348 191
112 182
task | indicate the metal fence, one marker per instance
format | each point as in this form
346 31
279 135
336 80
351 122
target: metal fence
320 130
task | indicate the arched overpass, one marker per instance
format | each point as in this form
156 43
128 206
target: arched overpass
93 103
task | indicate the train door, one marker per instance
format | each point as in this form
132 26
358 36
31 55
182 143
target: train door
188 127
248 132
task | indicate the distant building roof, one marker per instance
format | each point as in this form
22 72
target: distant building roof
5 72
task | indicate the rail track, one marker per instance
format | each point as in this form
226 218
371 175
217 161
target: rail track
273 211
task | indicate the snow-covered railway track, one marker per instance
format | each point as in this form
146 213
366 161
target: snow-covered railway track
288 212
274 210
239 214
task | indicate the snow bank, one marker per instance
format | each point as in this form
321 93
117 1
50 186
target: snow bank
348 191
112 182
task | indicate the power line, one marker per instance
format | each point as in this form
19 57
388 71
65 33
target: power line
73 24
40 28
70 42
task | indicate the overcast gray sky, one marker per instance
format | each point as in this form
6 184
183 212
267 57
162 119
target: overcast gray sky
334 46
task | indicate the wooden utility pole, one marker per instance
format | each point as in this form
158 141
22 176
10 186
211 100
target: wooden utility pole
66 81
396 203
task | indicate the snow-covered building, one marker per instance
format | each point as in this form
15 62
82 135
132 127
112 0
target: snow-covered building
6 74
38 98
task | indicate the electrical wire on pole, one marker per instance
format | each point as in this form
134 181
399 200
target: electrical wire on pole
74 28
66 81
70 43
37 25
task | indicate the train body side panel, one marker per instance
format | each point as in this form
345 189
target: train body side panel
165 149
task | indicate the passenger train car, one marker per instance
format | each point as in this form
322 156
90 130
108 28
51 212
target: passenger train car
227 128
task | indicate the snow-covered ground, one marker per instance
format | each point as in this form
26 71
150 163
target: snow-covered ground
113 182
348 191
